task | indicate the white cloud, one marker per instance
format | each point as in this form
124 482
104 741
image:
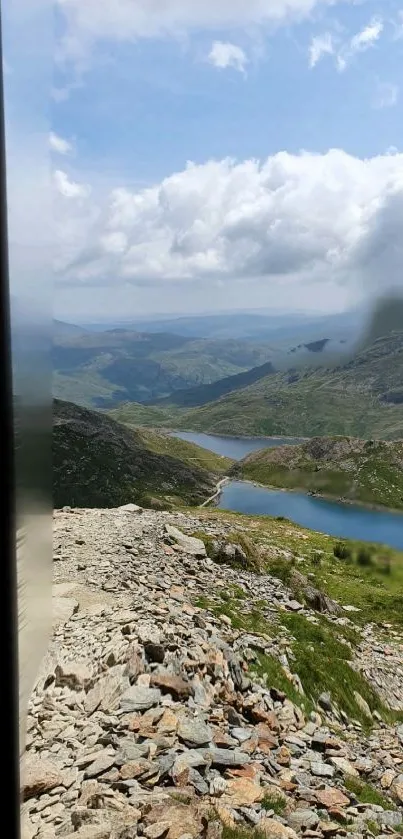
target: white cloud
293 221
320 45
360 42
68 188
59 144
368 36
91 21
223 55
386 95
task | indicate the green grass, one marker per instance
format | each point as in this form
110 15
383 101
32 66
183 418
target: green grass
366 793
282 546
269 668
341 467
185 451
321 660
271 801
332 401
242 833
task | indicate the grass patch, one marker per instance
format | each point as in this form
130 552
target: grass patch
242 833
271 801
321 660
366 793
376 590
252 621
269 668
373 827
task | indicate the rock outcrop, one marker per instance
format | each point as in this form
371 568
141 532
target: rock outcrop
149 718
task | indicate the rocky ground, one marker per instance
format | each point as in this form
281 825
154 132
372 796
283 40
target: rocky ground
148 718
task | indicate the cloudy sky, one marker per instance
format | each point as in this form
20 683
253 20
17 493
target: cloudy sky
207 154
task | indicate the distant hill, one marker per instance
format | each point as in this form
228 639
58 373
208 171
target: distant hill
362 397
258 326
103 369
201 395
368 471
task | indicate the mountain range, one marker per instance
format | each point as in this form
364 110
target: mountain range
104 368
362 397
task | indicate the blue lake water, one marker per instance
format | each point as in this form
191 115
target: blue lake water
234 447
347 521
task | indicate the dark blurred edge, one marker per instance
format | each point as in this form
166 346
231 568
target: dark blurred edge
26 419
8 589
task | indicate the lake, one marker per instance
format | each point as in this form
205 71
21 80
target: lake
234 447
347 521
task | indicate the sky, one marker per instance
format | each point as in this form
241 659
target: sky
176 156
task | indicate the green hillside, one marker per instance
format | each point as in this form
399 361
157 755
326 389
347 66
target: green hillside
103 369
362 397
98 462
367 471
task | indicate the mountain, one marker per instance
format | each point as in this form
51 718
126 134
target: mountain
368 471
195 396
258 326
362 397
98 462
103 369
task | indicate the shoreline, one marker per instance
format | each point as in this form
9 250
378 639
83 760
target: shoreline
218 491
348 502
237 436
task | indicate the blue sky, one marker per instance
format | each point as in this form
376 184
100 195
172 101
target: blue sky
291 114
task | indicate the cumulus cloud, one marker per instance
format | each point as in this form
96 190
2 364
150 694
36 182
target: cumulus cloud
58 144
386 95
320 45
224 54
333 220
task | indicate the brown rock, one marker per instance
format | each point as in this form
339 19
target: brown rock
134 769
134 663
168 722
283 756
242 792
157 831
39 775
387 778
251 771
225 816
397 791
259 714
273 829
174 685
332 797
180 819
266 739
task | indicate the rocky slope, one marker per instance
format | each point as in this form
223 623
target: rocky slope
157 714
98 462
370 471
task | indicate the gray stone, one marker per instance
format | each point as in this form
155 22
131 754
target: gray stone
307 819
63 608
194 732
140 698
100 765
227 757
189 544
322 770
